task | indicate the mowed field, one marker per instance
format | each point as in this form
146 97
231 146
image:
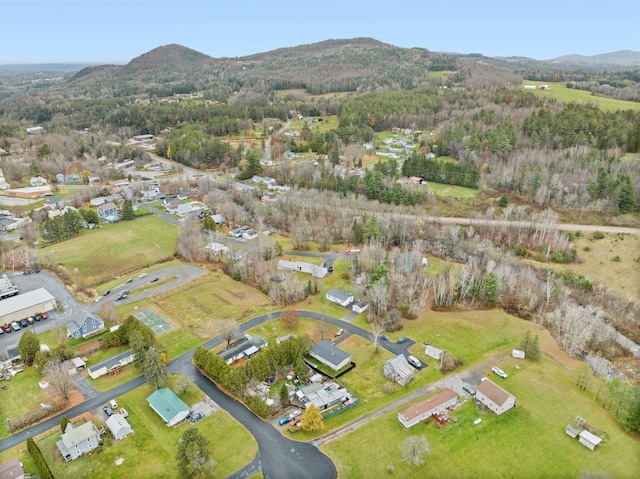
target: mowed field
207 305
98 255
527 441
560 92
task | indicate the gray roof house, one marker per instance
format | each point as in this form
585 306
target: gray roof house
302 267
339 297
111 364
77 441
119 426
108 212
242 348
325 352
398 369
89 327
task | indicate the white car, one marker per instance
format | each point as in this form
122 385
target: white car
124 412
113 404
500 372
142 275
97 300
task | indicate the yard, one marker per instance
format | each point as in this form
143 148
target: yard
22 394
153 445
97 255
528 441
204 304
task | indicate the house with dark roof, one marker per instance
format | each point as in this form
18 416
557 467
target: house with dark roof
87 328
324 396
339 297
79 440
325 352
112 364
398 369
168 406
360 306
494 397
420 411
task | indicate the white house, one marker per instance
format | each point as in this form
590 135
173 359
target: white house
339 297
38 181
216 248
517 353
422 410
112 364
360 306
119 426
494 397
302 267
77 441
168 406
398 369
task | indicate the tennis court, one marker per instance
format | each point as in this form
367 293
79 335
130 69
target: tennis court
154 321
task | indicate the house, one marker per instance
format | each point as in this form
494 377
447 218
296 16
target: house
339 297
38 181
89 327
325 352
422 410
168 406
360 306
242 348
529 87
34 129
269 198
433 352
398 369
171 205
494 397
98 201
302 267
218 219
589 440
108 212
78 363
119 426
518 354
12 469
111 365
79 440
29 192
324 396
216 248
243 232
184 209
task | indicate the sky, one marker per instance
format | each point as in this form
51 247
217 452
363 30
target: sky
116 31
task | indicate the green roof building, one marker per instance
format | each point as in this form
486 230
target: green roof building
169 407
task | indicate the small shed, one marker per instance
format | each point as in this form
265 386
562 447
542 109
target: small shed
433 352
119 426
589 440
572 431
518 354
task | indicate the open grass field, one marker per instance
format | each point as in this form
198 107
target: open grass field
98 255
528 441
596 262
205 303
22 394
560 92
451 190
150 450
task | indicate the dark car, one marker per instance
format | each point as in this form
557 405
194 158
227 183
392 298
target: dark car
402 340
37 317
24 323
330 269
153 280
129 280
106 292
469 389
107 410
196 417
384 337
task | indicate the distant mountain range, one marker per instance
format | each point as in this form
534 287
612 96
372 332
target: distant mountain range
628 58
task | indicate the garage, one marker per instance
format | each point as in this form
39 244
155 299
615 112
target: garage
26 304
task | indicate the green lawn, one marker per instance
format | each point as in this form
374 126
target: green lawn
99 255
22 394
560 92
528 441
150 450
441 189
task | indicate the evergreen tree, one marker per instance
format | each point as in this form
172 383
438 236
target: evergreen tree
504 201
490 291
28 346
358 232
154 368
193 455
284 395
63 423
127 210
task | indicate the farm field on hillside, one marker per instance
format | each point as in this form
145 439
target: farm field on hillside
527 441
560 92
98 255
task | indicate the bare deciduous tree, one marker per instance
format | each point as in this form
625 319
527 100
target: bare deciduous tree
413 450
57 375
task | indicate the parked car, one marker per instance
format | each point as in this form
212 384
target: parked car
469 390
15 326
153 280
142 275
384 337
124 412
113 404
44 316
37 317
30 320
97 300
106 293
295 413
1 330
284 420
340 332
107 410
24 323
196 417
6 328
415 362
500 372
129 280
330 269
402 340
